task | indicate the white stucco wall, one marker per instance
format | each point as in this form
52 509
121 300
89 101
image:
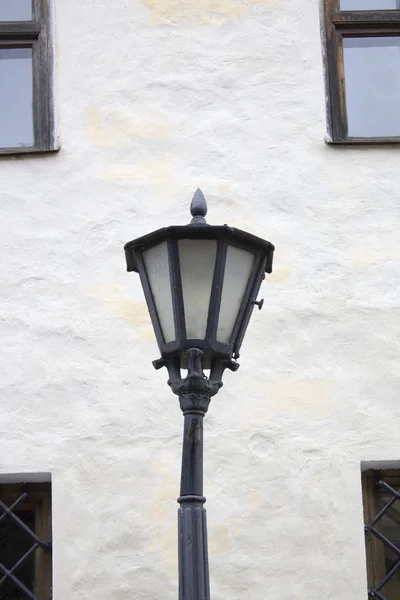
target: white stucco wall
156 98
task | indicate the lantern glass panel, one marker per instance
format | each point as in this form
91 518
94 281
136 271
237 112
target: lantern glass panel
197 264
157 268
238 268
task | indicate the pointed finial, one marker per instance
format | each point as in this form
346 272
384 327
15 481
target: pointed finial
198 208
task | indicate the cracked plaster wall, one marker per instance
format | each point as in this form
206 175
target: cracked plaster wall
154 99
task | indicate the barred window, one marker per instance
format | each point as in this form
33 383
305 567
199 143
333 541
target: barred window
381 494
25 541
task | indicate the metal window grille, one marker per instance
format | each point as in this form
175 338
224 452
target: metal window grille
373 528
9 573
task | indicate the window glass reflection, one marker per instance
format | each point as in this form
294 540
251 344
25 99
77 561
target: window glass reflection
16 114
372 72
369 4
15 10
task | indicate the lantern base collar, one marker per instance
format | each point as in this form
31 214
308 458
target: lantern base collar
195 381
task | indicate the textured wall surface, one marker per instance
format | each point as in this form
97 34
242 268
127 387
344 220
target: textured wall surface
154 99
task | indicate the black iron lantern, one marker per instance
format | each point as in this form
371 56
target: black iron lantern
201 284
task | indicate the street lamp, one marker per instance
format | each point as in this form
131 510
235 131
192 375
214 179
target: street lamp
201 283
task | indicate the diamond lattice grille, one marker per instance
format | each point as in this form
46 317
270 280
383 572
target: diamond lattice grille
386 521
21 553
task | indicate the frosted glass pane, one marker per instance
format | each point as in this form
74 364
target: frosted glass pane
16 115
15 10
157 268
239 264
369 4
197 260
372 71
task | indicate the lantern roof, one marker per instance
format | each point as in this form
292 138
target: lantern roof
198 228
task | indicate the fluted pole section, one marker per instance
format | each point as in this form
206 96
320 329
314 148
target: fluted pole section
194 578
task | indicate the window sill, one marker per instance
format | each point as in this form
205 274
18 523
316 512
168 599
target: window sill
27 151
373 141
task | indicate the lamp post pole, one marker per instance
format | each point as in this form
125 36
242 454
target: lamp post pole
195 392
194 578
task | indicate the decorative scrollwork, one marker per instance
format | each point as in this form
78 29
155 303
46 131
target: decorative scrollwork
195 381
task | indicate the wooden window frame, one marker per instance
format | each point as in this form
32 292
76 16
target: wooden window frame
38 501
38 35
350 23
375 553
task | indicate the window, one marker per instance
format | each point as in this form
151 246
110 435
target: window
381 493
26 77
25 541
363 70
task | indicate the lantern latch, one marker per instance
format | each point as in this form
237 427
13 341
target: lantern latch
259 303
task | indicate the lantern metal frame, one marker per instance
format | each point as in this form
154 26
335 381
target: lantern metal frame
225 236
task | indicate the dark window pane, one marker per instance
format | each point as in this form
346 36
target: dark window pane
372 72
369 4
390 528
14 543
16 115
15 10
